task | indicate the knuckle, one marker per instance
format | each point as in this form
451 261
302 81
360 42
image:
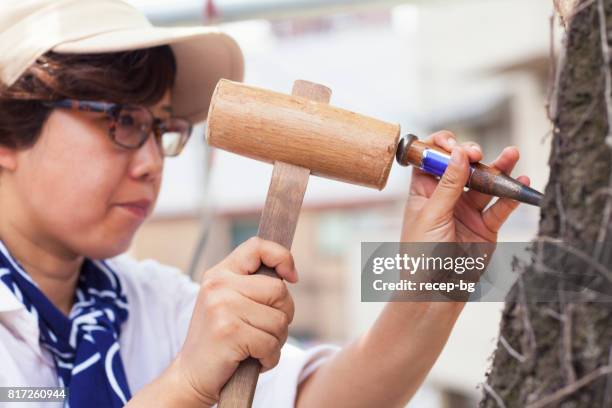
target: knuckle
212 283
290 309
225 328
474 145
272 344
443 135
282 322
216 305
255 243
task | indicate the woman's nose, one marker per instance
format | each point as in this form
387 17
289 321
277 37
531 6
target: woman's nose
148 160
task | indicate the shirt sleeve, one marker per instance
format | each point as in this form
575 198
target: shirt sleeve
276 388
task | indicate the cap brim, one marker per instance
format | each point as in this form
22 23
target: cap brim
204 55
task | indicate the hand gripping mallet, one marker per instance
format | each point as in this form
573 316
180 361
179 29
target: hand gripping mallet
301 134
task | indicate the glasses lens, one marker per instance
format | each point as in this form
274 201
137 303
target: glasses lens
175 135
132 126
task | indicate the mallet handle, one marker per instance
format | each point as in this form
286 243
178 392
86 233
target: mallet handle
278 222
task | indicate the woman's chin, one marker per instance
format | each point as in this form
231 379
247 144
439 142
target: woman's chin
103 249
107 239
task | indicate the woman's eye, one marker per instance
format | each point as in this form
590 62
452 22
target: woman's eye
125 120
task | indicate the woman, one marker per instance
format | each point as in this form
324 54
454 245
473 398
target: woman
92 99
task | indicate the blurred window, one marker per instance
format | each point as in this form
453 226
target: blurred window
332 233
243 229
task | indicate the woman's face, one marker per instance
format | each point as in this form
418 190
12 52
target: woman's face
78 190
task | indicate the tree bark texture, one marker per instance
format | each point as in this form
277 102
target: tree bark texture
558 353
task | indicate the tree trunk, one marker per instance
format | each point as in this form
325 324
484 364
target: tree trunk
558 353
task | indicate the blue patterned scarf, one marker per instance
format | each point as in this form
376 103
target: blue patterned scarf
84 345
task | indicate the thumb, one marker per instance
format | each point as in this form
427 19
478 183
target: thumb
450 187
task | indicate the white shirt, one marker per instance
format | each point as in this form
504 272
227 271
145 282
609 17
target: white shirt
161 300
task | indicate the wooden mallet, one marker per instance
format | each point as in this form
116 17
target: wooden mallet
301 134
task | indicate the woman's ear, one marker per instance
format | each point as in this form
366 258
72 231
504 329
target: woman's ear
8 158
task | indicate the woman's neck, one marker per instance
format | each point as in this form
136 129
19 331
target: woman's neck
54 270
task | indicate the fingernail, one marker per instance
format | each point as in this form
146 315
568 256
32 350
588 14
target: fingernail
476 148
451 141
456 156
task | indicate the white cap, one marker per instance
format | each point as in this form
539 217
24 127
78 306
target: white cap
30 28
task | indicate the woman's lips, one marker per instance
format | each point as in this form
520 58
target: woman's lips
139 209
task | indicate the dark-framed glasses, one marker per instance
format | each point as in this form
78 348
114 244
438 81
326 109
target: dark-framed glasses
131 125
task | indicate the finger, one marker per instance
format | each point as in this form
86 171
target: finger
263 317
447 140
473 150
265 290
271 363
450 187
444 139
505 162
423 183
248 257
260 345
495 216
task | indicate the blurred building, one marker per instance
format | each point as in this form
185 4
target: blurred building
467 66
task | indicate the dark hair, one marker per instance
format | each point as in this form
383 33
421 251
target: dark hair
136 77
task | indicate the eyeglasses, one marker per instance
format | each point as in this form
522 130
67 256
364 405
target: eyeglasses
130 125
